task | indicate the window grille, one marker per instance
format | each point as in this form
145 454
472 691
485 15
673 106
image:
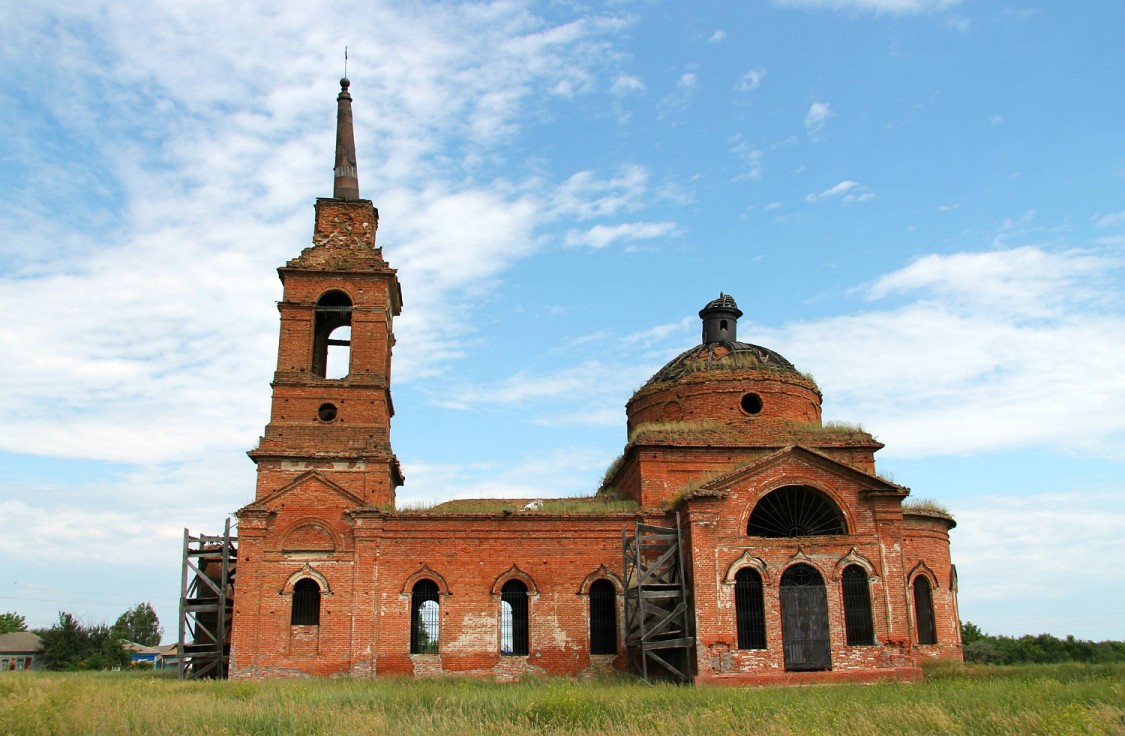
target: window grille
804 620
795 511
859 629
513 619
749 607
425 618
603 618
924 611
306 603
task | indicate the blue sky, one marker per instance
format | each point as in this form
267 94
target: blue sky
919 202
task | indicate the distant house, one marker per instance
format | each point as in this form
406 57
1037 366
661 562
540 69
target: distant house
19 650
158 657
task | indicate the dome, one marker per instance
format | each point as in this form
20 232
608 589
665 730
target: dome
722 356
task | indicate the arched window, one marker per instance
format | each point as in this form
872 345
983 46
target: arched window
924 611
795 511
603 618
513 618
332 335
306 603
425 619
749 608
857 607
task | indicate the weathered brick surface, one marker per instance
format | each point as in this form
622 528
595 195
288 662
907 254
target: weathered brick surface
324 510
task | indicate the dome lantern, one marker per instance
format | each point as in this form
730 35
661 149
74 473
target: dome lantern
720 320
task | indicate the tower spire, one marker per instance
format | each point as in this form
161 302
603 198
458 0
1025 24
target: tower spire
346 185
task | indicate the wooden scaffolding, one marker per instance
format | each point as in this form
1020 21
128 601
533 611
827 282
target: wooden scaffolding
657 611
207 604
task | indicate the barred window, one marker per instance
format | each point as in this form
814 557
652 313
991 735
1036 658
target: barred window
425 618
858 627
513 619
749 609
924 611
603 618
306 603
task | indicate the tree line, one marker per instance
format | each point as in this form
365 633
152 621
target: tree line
72 645
982 648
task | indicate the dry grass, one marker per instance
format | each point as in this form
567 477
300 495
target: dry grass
674 430
925 504
577 505
1058 700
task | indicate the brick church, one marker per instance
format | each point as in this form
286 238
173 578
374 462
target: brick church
736 539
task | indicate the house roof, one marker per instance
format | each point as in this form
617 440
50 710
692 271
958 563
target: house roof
19 641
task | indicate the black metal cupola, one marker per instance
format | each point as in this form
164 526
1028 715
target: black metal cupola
720 320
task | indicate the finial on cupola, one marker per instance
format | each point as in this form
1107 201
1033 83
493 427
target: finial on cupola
346 184
720 320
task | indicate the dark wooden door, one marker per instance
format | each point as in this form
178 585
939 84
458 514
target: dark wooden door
804 620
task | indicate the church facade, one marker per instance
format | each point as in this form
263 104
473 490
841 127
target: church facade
736 539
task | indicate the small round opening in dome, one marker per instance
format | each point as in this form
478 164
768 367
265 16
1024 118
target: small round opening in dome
326 412
751 403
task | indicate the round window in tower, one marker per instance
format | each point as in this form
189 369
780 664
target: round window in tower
751 403
326 413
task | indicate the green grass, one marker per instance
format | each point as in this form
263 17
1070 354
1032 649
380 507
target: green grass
1041 699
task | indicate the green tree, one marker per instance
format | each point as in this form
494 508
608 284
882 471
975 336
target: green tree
68 645
10 622
140 624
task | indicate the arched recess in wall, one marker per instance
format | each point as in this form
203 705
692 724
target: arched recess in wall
305 588
923 581
853 557
859 626
514 573
603 617
747 560
425 617
602 573
309 535
514 619
425 572
796 511
306 572
332 335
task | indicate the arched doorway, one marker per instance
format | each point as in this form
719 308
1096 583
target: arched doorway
804 620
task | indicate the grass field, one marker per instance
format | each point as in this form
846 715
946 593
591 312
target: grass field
1039 699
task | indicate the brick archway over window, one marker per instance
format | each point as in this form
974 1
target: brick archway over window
514 573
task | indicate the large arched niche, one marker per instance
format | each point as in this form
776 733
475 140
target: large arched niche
796 511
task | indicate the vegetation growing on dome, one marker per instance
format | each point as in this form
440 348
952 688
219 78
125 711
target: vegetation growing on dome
603 487
839 431
926 505
674 430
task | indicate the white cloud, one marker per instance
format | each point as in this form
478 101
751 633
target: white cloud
717 37
681 96
751 80
816 117
584 196
847 191
979 352
1033 552
601 236
898 7
626 84
562 472
1112 219
750 157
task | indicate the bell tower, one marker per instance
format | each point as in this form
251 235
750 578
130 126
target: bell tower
332 409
